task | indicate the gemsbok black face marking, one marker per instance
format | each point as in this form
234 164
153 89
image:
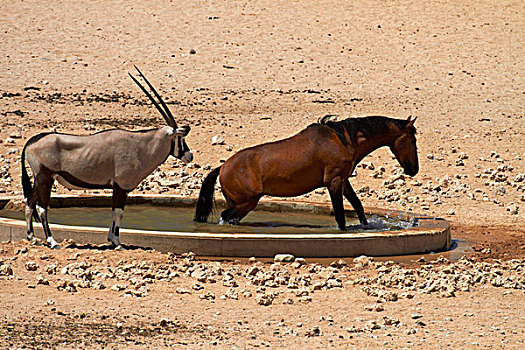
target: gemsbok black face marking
116 159
322 155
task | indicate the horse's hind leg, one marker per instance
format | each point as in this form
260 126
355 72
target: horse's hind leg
236 212
350 195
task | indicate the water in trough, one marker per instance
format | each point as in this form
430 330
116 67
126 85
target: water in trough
158 218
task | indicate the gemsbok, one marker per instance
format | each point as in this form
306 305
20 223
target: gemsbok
322 155
112 159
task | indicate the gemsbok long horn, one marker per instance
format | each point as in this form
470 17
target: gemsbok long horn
165 111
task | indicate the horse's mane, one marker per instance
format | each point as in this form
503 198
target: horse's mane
366 125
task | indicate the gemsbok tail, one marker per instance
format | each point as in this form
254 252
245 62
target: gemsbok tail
205 201
26 182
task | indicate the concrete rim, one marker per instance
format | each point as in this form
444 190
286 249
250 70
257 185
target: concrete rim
431 235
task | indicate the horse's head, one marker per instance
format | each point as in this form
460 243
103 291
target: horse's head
405 149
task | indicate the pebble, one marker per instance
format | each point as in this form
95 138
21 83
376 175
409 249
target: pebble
6 270
264 299
217 140
42 280
513 208
375 307
31 266
284 258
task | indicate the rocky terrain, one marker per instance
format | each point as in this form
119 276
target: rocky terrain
165 300
241 74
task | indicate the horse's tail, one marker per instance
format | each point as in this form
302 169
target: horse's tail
205 201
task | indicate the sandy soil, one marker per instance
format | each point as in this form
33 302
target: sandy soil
258 72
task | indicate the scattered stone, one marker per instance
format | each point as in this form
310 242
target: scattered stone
197 286
217 140
373 325
31 266
420 323
375 308
67 286
314 332
207 296
41 280
264 299
118 287
362 261
513 208
283 258
6 270
339 263
51 269
164 322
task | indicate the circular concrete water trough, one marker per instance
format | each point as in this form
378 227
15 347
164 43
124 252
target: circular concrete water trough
430 234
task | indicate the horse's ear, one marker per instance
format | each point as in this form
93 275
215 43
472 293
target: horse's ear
410 121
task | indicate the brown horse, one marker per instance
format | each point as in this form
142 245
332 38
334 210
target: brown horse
322 155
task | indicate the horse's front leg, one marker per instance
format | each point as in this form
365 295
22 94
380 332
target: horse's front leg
350 195
335 188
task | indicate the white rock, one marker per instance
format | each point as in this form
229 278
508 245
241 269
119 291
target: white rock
6 270
217 140
284 258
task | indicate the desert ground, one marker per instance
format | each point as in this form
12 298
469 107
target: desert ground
254 72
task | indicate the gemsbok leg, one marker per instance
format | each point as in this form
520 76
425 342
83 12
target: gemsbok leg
40 201
117 211
350 195
29 221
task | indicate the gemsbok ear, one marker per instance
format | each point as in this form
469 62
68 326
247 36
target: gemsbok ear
183 130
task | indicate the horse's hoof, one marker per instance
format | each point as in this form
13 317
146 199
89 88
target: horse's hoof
120 247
